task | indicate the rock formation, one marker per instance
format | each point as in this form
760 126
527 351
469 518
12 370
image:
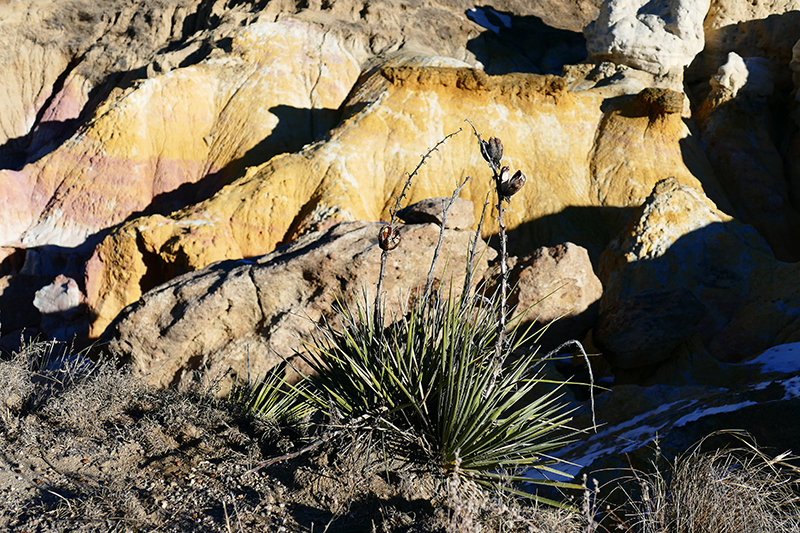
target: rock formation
737 128
660 37
682 269
577 162
181 178
767 30
556 287
196 125
245 316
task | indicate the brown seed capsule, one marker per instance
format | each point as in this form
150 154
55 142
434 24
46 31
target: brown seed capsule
496 150
389 238
492 151
511 186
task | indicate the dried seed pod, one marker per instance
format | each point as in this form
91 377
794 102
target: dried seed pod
496 150
492 151
511 186
389 238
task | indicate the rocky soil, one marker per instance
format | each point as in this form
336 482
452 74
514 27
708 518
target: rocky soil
92 448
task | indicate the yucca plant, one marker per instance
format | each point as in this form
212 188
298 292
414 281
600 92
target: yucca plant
274 398
433 382
429 383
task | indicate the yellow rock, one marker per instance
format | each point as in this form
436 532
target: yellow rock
204 122
577 157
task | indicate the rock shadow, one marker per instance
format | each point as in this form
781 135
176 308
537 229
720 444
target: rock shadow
296 128
590 227
723 303
513 43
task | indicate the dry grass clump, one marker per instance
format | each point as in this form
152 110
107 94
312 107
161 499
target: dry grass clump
720 491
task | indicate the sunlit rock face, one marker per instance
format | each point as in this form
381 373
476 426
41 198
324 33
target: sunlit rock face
660 37
197 126
245 316
142 143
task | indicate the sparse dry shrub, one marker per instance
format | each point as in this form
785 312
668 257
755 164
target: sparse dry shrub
720 491
17 386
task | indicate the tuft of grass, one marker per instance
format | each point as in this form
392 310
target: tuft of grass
274 399
719 491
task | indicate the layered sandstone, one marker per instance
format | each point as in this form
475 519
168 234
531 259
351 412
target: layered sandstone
587 165
196 125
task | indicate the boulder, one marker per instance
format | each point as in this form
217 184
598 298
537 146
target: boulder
244 316
556 287
741 74
460 214
680 243
61 297
647 327
661 37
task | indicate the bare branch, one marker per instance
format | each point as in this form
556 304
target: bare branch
378 305
447 205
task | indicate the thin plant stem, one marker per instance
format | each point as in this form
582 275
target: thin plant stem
378 305
501 323
501 326
447 204
355 422
577 344
473 247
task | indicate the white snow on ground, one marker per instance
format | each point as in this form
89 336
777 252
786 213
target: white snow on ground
783 358
792 386
628 441
700 413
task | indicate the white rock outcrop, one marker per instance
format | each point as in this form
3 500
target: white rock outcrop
750 75
658 36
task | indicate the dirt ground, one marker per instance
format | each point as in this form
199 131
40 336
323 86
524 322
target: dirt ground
89 448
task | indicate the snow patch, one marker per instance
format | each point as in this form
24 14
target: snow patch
783 358
700 413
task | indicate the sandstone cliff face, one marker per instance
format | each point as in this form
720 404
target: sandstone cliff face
585 158
203 122
148 141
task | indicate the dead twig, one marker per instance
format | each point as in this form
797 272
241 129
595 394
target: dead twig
392 233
